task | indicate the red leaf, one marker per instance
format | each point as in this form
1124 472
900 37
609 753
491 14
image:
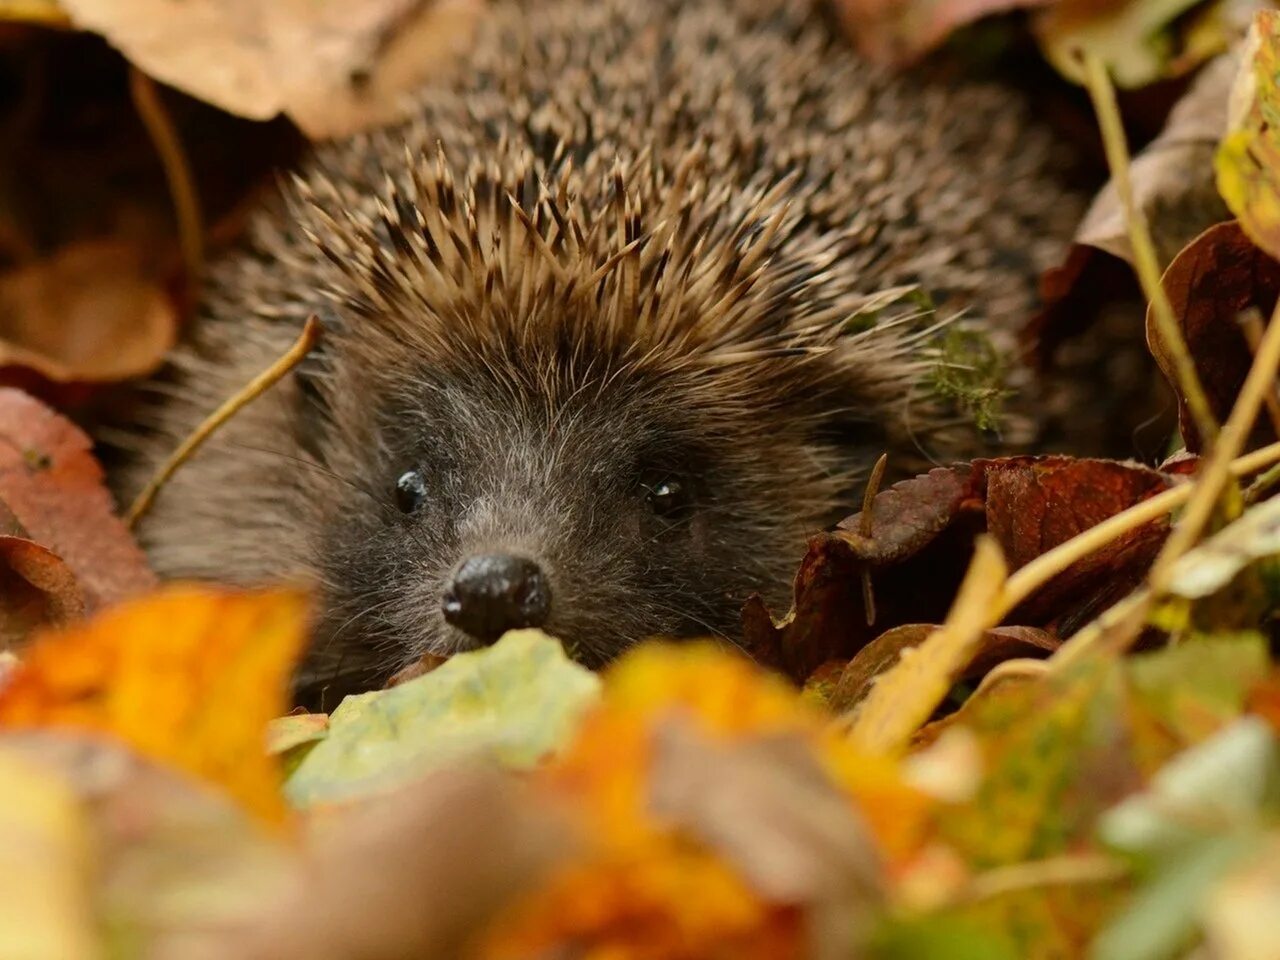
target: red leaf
921 534
53 486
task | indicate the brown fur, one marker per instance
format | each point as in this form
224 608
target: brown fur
628 242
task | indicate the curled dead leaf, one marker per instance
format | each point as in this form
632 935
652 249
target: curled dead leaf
37 589
53 487
1218 276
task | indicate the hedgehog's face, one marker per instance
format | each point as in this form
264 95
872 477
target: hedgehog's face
603 517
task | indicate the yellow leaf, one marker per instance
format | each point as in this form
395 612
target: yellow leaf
45 866
189 676
1248 161
907 694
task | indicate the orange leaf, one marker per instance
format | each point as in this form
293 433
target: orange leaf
188 676
653 885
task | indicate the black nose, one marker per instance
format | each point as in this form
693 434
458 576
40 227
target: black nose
490 595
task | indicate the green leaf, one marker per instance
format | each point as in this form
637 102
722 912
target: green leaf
1196 688
1215 563
1161 918
515 702
1219 784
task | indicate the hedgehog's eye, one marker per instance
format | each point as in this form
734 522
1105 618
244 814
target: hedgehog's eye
669 497
411 491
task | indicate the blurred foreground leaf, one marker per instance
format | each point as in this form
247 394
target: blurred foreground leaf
187 676
516 701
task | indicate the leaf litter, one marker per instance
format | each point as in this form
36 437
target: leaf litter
984 769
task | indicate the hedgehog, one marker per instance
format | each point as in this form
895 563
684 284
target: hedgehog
609 330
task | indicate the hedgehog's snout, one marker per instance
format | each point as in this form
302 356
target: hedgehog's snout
490 594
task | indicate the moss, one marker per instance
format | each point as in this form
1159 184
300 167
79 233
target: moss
970 373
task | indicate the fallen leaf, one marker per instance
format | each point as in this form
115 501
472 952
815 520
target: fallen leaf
516 701
996 645
291 738
417 873
1210 283
90 313
650 882
815 847
1172 177
52 486
1239 914
188 676
768 808
334 67
1215 783
169 867
36 590
1248 162
46 857
1160 919
1218 560
288 733
921 537
1195 823
897 32
903 698
1194 689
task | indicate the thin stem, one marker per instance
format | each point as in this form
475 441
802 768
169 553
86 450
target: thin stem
254 389
1252 328
1053 872
1215 472
1145 262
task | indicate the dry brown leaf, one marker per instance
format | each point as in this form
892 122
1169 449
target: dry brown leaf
53 487
90 313
333 66
766 806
